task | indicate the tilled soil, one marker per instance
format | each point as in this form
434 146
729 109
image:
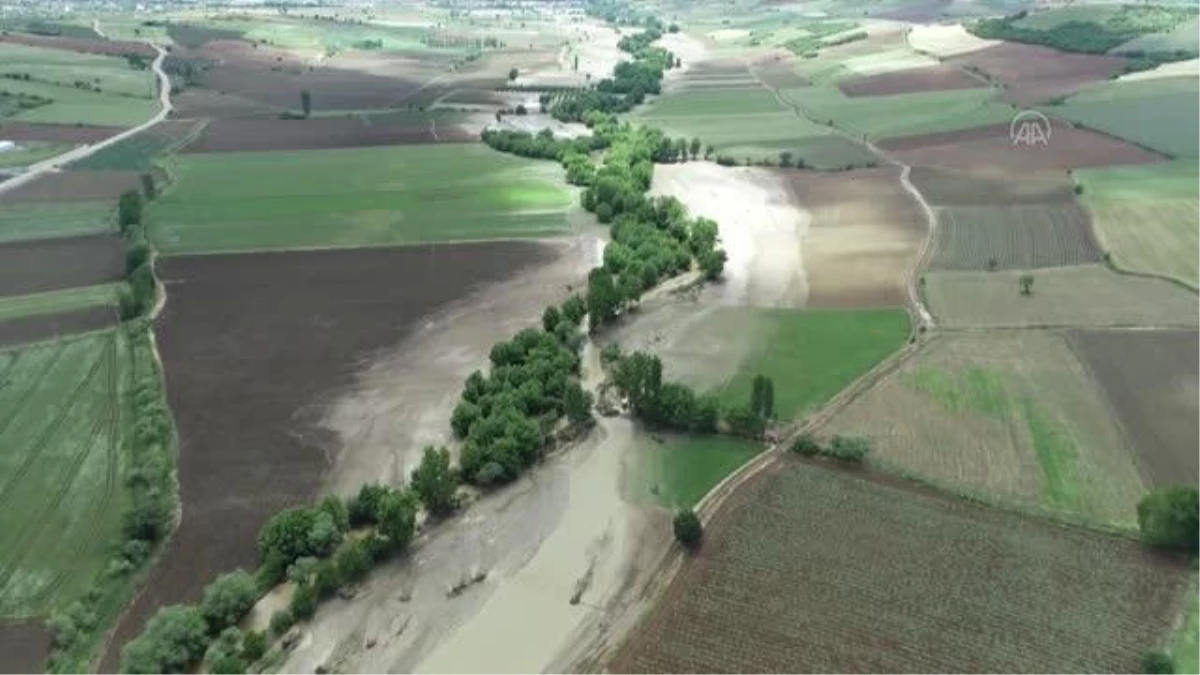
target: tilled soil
50 264
24 645
231 135
254 346
1033 74
75 186
931 78
47 326
84 45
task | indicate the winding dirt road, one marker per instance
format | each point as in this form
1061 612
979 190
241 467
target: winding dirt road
55 163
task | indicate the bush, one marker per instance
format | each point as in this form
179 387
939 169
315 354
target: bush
745 422
129 210
174 639
1157 662
304 602
1168 518
224 655
353 560
281 621
254 645
688 530
848 448
435 483
807 445
227 599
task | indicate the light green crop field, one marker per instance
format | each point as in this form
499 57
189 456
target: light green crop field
76 106
678 471
38 220
1012 415
746 101
356 197
31 152
58 301
1060 15
902 114
1185 648
140 151
1158 113
1185 37
322 35
61 487
128 27
112 74
1145 216
811 355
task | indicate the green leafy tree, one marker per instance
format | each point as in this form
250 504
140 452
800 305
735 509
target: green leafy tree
639 377
173 640
574 309
337 511
578 404
712 264
304 602
435 483
227 599
1168 518
306 102
1026 284
149 189
323 536
785 159
286 534
762 397
352 560
397 519
129 209
363 508
513 73
1157 662
550 318
603 299
688 529
848 448
695 147
254 645
224 655
807 445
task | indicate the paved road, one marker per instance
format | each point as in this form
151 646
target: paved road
53 164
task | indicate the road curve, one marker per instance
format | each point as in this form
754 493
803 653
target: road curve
53 164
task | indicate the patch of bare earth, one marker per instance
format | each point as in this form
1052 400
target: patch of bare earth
864 236
83 45
51 264
24 645
75 186
1032 74
46 326
991 149
930 78
229 135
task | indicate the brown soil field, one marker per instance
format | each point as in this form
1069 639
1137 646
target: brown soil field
50 264
1024 237
196 103
1150 380
780 74
45 326
24 645
932 78
241 135
84 45
944 187
193 36
990 149
1033 74
75 186
56 133
918 12
864 236
811 569
255 346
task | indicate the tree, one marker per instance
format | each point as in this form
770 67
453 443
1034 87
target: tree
1157 662
227 599
129 210
1168 518
577 403
254 645
224 655
174 639
149 190
304 602
1026 283
688 530
513 73
323 536
848 448
744 421
397 518
602 297
762 397
785 159
306 102
806 444
352 560
681 149
639 376
708 151
364 507
434 481
550 318
695 147
574 309
712 263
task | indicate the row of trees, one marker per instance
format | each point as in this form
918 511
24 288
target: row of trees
629 85
1094 37
320 549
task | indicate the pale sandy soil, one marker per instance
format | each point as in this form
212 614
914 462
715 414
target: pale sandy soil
596 46
1189 68
761 229
727 34
535 123
402 400
946 40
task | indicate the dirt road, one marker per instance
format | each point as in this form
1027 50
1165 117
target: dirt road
53 164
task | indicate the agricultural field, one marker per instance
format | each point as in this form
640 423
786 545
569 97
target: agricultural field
31 152
949 187
79 42
141 151
1086 295
70 105
1013 237
901 81
356 197
61 187
1012 415
248 135
944 40
863 237
52 325
50 264
716 102
990 150
677 471
1121 108
1145 217
901 114
1032 74
254 347
63 492
869 587
1182 37
1184 648
1149 378
813 354
52 302
19 220
111 75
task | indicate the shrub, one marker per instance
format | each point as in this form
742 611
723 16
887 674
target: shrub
1157 662
174 639
254 645
363 507
353 560
807 445
848 448
435 483
745 422
227 599
281 621
224 655
1168 518
304 602
688 530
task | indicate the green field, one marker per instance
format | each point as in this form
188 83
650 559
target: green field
111 74
127 27
58 301
813 354
36 221
902 114
321 35
1145 216
1185 648
76 106
1159 114
31 152
356 197
679 470
61 487
138 152
1185 37
722 102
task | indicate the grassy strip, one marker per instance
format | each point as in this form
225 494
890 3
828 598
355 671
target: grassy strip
1185 647
54 302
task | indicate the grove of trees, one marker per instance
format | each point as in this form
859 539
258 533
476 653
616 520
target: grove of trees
1170 518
